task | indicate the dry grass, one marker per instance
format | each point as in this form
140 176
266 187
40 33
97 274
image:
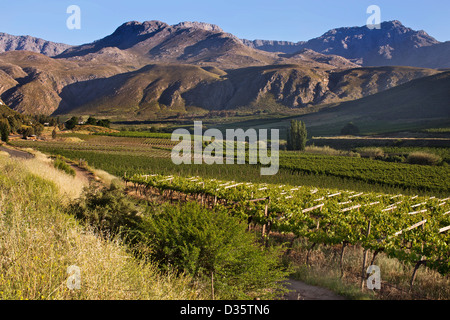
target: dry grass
39 241
423 158
326 150
68 186
371 152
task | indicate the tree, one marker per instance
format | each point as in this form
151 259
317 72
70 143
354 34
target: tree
213 245
71 123
14 123
296 135
38 129
4 129
29 131
91 121
350 129
104 123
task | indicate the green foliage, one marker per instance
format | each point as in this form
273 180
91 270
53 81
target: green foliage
372 171
350 129
60 164
343 215
296 136
91 121
373 153
26 132
71 123
202 242
38 129
108 210
4 130
104 123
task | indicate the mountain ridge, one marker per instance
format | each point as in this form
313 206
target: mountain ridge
147 68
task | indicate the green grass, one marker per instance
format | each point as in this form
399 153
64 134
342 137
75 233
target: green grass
60 164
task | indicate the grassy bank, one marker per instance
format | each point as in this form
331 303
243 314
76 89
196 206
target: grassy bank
39 240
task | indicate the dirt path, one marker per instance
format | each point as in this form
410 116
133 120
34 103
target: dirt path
17 153
84 175
303 291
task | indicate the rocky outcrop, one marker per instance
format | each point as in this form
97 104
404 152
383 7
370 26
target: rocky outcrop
26 43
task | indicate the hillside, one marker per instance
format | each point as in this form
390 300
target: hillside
178 88
412 104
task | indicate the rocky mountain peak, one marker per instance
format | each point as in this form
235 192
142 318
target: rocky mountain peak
198 25
137 28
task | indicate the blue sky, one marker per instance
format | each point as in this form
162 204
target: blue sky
292 20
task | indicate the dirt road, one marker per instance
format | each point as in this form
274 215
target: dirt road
303 291
17 153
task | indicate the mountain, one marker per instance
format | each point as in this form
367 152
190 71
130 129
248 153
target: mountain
198 43
149 69
275 46
33 83
414 102
187 42
11 43
393 44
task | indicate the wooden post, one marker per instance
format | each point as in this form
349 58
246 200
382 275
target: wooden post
265 225
341 261
413 277
212 285
363 273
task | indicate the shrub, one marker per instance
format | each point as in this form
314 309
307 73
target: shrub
423 158
373 153
395 158
60 164
109 211
201 242
326 150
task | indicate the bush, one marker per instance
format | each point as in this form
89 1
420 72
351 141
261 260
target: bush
395 158
423 158
326 150
373 153
108 210
202 242
60 164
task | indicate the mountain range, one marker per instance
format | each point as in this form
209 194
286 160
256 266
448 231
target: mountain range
151 69
391 45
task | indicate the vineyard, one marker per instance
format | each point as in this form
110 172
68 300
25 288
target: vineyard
413 229
432 178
